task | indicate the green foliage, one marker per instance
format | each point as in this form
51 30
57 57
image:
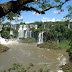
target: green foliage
57 0
28 40
69 34
53 45
5 33
59 29
10 16
67 67
15 33
19 68
69 15
64 44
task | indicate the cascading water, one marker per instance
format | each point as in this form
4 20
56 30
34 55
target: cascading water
31 26
36 26
68 26
40 38
11 32
21 32
28 34
24 27
44 26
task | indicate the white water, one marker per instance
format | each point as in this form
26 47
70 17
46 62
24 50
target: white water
21 34
40 38
2 41
68 26
36 26
11 32
24 27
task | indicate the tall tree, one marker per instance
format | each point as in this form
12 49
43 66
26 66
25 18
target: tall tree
17 5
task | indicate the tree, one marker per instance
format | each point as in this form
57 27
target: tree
70 12
10 16
17 5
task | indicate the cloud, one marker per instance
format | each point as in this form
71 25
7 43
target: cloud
29 22
53 20
58 20
18 18
56 12
47 19
35 13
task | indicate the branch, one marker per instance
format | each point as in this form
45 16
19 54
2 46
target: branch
16 6
31 9
42 12
7 7
54 6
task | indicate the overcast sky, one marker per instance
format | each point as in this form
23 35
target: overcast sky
51 15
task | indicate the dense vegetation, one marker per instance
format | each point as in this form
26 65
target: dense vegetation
28 40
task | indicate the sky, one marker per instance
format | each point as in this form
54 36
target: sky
50 15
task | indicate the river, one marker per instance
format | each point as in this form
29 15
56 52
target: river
26 53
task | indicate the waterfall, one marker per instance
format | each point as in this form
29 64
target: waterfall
68 26
20 28
28 34
11 32
31 26
36 26
21 32
24 27
40 38
44 26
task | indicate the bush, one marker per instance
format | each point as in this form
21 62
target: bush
28 40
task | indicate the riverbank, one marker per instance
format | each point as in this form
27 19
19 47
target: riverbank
53 45
3 48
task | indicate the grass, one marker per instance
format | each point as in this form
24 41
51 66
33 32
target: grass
63 44
53 45
3 48
28 40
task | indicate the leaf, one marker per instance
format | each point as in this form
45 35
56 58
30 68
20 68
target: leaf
43 7
57 0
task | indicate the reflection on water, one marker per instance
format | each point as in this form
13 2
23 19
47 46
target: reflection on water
25 54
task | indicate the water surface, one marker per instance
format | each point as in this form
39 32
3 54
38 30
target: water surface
26 53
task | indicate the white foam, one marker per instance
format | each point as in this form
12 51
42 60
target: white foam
59 71
12 42
2 41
